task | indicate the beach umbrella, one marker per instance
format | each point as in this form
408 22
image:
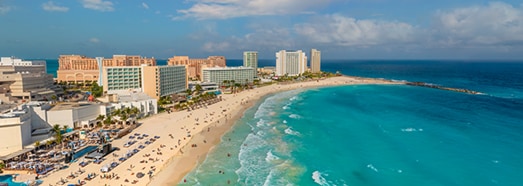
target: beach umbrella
140 175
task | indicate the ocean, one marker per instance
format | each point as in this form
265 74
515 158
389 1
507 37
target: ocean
379 134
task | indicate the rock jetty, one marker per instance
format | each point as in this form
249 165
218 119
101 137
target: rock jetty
423 84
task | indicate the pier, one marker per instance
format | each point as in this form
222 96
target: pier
423 84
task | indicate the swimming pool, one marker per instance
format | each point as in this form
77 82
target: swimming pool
84 151
9 180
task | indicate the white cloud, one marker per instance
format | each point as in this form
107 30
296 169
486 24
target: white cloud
497 23
347 31
94 40
4 9
268 39
51 7
216 46
99 5
144 5
223 9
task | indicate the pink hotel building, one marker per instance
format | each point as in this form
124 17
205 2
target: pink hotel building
194 66
78 68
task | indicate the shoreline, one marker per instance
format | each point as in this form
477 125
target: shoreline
163 159
175 171
191 157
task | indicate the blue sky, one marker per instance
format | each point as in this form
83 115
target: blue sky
341 29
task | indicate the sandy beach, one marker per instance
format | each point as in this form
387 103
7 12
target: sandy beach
185 138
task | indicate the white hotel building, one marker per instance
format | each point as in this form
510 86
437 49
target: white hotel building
291 63
241 75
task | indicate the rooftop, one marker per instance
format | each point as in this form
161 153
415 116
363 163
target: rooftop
70 105
228 68
133 96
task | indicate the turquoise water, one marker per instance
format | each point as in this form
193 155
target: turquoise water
371 135
9 180
84 151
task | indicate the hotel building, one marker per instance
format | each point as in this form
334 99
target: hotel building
194 66
315 61
250 59
25 81
242 75
155 81
291 63
78 69
161 81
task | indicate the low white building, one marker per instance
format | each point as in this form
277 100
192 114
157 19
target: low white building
122 99
18 131
72 115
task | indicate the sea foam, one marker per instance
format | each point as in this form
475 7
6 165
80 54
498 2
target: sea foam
294 116
318 178
291 132
411 130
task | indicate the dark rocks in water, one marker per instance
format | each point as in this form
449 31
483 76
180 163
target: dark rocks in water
423 84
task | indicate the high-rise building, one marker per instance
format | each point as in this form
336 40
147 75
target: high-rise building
250 59
194 66
155 81
315 61
291 63
241 75
161 81
77 68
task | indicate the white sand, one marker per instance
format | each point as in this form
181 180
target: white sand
172 164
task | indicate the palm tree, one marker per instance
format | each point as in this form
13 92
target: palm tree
48 143
225 82
37 144
108 120
127 110
58 133
135 110
237 85
116 112
123 118
198 88
189 92
100 119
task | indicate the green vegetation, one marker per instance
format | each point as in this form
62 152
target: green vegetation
96 90
37 144
57 134
166 100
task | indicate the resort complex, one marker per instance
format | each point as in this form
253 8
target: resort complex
194 66
93 124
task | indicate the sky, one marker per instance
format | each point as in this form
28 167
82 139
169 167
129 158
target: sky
340 29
